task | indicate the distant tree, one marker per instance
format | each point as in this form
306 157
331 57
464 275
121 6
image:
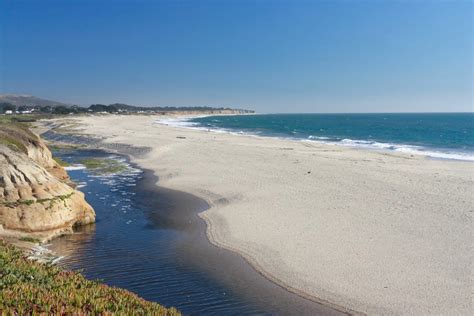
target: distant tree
103 108
46 109
112 109
60 109
78 109
98 108
5 106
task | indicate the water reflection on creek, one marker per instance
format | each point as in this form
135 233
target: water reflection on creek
150 240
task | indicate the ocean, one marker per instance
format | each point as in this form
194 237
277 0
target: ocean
437 135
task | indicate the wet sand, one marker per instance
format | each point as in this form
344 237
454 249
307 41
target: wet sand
374 232
236 287
180 210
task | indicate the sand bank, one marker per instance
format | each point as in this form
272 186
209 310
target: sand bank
370 231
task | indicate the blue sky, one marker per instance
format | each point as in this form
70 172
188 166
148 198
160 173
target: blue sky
271 56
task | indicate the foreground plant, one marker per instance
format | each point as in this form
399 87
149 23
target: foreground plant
29 287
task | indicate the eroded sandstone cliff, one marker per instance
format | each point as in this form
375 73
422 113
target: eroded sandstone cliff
36 198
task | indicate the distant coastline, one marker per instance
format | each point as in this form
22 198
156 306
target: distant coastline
11 104
439 136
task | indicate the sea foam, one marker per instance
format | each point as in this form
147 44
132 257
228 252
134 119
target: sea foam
75 167
346 142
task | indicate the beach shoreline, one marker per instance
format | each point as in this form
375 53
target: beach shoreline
181 211
187 215
300 278
366 142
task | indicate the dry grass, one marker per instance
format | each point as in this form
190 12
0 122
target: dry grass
17 136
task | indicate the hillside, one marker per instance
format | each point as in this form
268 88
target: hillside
28 100
21 103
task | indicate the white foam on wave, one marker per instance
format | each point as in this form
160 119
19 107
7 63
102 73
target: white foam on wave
407 149
42 253
75 167
185 123
180 122
318 137
373 145
437 154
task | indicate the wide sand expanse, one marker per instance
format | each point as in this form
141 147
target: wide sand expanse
373 232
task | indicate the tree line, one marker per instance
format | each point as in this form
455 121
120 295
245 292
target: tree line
99 108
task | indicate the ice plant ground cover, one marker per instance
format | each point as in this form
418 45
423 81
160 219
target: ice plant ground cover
29 287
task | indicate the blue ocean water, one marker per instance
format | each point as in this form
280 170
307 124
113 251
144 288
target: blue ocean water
439 135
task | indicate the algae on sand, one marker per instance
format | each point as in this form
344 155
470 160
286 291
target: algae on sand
104 165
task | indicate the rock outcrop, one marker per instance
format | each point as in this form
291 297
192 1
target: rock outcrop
36 196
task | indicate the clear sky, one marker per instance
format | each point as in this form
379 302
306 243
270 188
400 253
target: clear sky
271 56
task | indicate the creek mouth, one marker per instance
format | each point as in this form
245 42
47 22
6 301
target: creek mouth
150 240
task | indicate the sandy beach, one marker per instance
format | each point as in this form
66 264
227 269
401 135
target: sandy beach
371 232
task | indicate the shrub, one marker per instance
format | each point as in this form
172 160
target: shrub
29 287
61 162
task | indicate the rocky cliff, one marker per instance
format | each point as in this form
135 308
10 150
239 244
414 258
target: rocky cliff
36 197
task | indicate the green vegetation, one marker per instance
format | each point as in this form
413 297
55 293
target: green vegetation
45 108
5 106
13 144
16 135
61 162
104 165
94 163
6 119
22 118
62 146
28 287
51 201
120 107
30 239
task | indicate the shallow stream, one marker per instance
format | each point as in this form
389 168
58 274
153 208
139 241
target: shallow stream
150 240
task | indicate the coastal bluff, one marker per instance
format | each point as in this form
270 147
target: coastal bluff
37 198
